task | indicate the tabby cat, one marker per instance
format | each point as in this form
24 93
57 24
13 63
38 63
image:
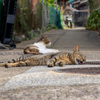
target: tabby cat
39 47
54 59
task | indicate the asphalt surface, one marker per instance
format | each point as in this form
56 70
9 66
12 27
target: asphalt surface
42 83
67 39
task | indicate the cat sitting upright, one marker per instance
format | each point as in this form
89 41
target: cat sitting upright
39 47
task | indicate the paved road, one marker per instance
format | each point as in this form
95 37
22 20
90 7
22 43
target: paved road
67 39
86 87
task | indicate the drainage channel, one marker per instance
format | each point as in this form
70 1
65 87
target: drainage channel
88 70
92 63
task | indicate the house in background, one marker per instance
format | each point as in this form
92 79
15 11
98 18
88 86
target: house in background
62 2
67 13
80 17
78 9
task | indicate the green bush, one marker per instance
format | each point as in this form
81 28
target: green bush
94 21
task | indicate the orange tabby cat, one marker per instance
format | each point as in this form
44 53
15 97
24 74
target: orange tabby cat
54 59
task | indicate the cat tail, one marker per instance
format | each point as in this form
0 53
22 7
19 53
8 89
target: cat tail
22 58
2 64
29 48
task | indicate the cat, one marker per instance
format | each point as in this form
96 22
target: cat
52 59
39 47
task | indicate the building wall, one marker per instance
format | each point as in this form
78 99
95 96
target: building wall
83 7
80 18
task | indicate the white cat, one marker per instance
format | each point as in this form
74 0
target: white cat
40 47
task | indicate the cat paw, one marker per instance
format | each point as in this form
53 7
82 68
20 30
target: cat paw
61 64
56 51
6 66
50 65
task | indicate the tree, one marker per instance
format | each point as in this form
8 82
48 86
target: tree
51 3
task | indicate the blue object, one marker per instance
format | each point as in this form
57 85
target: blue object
70 1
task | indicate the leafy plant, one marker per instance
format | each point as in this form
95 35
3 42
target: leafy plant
27 38
51 46
51 3
13 37
30 34
94 21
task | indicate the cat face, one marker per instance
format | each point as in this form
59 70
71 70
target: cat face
78 56
45 40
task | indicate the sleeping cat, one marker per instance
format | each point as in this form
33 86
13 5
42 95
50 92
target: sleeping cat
39 47
54 59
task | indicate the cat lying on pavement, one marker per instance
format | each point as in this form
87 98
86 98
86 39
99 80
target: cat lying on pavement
52 59
39 47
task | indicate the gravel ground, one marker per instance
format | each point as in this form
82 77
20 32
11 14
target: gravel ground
76 92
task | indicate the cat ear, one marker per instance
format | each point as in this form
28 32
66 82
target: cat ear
46 36
76 48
